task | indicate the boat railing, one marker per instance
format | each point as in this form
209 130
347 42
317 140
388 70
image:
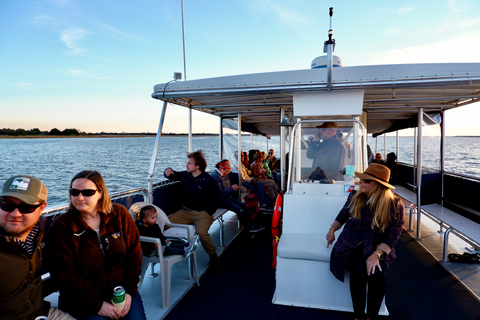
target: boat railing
126 198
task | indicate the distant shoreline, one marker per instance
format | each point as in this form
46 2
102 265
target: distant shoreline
142 136
111 136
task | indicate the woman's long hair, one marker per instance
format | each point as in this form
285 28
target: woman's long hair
104 204
380 202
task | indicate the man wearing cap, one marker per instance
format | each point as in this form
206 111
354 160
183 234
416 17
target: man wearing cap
327 151
22 201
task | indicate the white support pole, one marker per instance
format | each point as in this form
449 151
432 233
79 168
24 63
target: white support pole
190 120
282 150
151 170
419 172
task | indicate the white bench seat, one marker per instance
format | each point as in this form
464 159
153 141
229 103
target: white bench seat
304 247
455 222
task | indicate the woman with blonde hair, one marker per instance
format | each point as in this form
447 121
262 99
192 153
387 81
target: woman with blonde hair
93 248
373 218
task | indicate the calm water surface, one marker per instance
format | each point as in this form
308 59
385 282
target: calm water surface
124 162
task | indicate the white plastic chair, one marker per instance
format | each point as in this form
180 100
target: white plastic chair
176 230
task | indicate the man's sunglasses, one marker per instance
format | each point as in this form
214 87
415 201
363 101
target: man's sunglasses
23 208
84 192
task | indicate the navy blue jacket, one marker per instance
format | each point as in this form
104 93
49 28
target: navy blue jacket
200 193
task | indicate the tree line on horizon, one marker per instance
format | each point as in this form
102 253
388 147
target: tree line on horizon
38 132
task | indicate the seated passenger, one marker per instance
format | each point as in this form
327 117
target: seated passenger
260 174
147 226
327 151
378 159
392 165
220 174
257 187
201 197
270 173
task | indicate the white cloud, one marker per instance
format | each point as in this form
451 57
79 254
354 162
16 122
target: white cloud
405 10
84 74
282 12
42 19
71 37
393 31
458 50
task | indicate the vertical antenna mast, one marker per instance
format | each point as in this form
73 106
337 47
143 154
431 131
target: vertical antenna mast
184 55
328 48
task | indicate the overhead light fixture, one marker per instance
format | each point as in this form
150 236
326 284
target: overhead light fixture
177 76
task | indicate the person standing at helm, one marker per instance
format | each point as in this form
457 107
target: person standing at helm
327 151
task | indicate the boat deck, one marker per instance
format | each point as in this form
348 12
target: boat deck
418 287
432 240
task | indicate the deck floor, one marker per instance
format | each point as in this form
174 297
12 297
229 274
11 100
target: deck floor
432 239
245 284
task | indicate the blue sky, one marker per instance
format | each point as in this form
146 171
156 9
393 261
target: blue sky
92 64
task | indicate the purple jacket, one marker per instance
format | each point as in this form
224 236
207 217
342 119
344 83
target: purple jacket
359 232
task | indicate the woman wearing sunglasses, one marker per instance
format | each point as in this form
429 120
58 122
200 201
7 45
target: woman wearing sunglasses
95 247
373 218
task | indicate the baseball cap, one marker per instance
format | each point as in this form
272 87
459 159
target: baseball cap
25 188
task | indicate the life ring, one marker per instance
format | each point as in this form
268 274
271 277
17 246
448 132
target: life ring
276 226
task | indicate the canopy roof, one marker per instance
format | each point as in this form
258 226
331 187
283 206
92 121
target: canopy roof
393 93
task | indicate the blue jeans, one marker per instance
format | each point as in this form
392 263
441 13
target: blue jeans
136 311
240 209
259 189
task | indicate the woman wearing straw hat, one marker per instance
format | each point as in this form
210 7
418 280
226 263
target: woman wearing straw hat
373 218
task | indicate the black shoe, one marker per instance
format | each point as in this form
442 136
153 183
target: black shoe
214 264
266 207
255 229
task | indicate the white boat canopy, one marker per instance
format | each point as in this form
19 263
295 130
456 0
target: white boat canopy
392 93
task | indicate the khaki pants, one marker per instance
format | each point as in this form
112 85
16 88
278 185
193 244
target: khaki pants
57 314
202 221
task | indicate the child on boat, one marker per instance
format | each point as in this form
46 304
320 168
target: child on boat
147 226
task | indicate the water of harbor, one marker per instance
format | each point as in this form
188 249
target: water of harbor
125 162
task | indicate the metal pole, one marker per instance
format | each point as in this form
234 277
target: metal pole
419 172
282 150
396 146
384 147
190 126
220 137
184 51
155 152
329 44
239 156
442 154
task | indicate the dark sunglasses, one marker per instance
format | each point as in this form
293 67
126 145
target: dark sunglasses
367 181
23 208
84 192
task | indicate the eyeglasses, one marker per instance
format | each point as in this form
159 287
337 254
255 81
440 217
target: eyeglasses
23 208
367 181
84 192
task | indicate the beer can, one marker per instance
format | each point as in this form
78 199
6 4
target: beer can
41 318
118 295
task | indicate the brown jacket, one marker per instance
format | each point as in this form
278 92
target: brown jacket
85 270
20 283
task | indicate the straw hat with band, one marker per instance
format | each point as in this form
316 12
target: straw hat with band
376 172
